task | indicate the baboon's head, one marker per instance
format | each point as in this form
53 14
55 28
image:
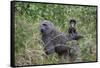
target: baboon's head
46 27
72 23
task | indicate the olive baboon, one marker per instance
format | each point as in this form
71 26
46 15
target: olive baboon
54 40
51 37
72 30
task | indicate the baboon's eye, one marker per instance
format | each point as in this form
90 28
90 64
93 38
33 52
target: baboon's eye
44 24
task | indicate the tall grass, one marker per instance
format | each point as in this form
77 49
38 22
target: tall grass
28 43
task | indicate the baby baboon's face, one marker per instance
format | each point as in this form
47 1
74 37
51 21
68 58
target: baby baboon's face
46 27
72 23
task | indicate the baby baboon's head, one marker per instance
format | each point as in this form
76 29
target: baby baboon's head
46 27
72 23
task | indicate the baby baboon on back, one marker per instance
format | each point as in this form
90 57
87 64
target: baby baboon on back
54 40
72 30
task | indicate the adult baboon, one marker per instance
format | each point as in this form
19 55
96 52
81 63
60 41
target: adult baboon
51 36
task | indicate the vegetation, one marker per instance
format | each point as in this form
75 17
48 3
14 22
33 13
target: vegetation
28 44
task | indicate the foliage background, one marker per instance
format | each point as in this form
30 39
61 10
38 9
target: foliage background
28 44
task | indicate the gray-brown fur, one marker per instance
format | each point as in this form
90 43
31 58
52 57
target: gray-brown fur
51 36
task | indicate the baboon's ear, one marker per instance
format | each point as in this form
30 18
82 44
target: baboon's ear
52 24
41 19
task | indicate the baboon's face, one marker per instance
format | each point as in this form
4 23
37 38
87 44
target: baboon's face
46 27
72 24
